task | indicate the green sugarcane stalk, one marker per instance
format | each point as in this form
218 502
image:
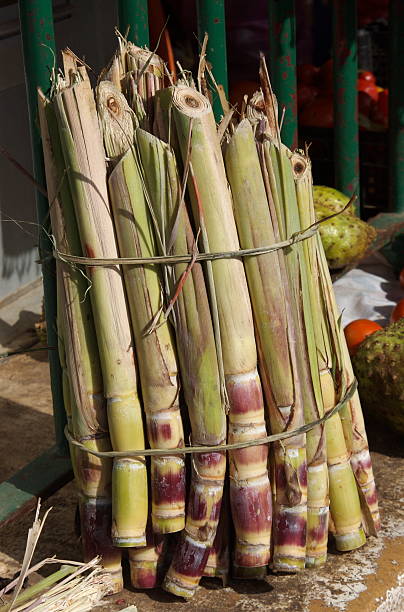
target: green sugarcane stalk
84 160
199 367
275 334
250 493
351 415
153 343
82 379
344 504
282 205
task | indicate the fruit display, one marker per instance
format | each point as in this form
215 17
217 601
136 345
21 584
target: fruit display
379 367
345 237
315 98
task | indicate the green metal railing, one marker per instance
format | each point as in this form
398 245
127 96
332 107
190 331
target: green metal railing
282 64
211 19
134 15
38 42
51 470
346 129
396 106
47 472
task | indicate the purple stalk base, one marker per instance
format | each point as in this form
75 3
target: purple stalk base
95 521
198 508
361 464
146 562
190 558
187 567
289 528
145 577
168 487
319 533
218 563
251 556
251 509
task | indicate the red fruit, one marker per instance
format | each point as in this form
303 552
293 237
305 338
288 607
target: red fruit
398 312
305 95
357 331
307 74
366 75
369 88
318 113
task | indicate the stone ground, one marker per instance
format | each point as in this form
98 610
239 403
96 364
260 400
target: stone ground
368 580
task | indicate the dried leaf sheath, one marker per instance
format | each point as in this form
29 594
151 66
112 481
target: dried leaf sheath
250 494
84 161
155 352
82 380
199 369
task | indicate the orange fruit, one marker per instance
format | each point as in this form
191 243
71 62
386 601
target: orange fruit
357 331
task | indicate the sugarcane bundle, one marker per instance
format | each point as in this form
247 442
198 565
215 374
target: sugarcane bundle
200 258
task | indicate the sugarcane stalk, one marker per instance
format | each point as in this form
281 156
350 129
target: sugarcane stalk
344 501
84 161
318 501
145 76
351 415
95 532
282 205
218 563
145 562
82 379
250 494
199 368
270 297
154 347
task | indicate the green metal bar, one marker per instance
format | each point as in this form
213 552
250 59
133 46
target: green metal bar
40 478
282 64
346 143
134 13
212 20
396 106
38 43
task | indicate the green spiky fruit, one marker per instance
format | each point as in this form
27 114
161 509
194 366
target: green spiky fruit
333 199
345 238
379 368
